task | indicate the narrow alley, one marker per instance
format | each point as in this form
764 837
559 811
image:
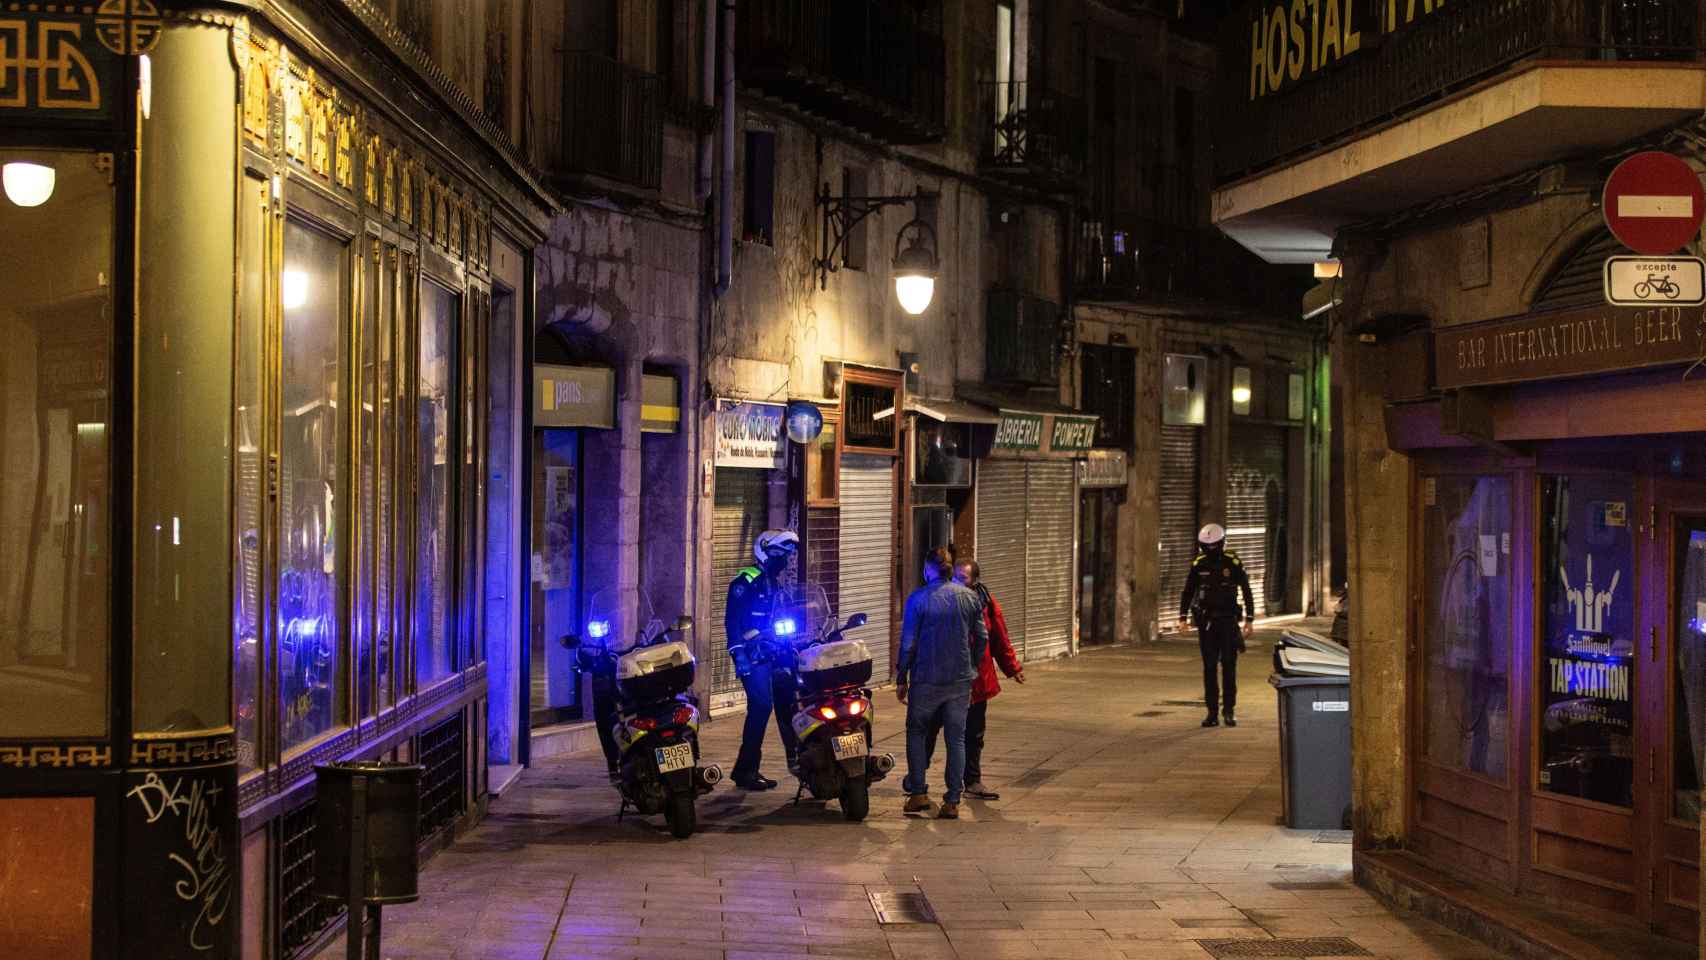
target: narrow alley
1124 830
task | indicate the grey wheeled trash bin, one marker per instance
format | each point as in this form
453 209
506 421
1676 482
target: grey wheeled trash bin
1315 750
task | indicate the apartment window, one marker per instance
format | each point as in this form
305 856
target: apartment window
855 248
760 213
1110 392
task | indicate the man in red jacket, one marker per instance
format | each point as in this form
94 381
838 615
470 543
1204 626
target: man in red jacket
998 651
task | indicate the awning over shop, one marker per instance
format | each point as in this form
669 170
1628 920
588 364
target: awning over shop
1034 426
953 411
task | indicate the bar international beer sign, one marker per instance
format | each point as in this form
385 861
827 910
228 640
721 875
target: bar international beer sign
1568 343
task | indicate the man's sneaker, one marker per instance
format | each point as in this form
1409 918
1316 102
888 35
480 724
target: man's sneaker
757 781
1212 721
977 791
1231 720
949 811
918 803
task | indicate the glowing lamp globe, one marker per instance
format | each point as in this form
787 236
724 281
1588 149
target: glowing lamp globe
27 184
915 279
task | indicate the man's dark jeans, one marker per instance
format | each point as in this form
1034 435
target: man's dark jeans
767 692
944 706
1218 640
977 720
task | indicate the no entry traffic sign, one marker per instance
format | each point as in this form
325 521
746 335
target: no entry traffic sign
1653 203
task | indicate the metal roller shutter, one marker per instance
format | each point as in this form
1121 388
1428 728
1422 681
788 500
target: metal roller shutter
741 513
1051 504
1255 501
1178 507
1001 540
867 551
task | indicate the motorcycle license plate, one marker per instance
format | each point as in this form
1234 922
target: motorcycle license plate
675 757
849 746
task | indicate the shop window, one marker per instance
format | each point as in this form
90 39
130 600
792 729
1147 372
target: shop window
396 304
1110 392
248 484
869 414
1688 623
471 429
823 467
55 402
312 468
760 206
1466 528
1586 673
364 624
434 473
941 457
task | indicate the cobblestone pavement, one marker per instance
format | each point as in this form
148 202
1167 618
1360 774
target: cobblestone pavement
1124 830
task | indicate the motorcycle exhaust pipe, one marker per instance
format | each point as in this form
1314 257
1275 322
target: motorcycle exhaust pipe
881 765
709 776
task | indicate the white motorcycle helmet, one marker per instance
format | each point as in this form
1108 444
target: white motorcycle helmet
774 543
1212 536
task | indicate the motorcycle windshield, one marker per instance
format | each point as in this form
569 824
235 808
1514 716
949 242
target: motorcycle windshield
618 620
800 614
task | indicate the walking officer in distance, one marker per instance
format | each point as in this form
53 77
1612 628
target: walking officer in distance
1210 601
752 593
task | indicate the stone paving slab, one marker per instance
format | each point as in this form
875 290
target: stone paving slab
1125 832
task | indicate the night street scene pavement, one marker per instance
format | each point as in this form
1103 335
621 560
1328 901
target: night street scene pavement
1124 830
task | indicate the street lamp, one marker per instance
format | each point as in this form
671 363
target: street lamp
27 184
914 267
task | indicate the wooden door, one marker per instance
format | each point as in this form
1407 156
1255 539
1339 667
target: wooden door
1676 705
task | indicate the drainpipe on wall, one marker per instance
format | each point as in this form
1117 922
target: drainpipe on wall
707 98
726 189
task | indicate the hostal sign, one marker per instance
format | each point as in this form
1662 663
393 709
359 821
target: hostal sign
1291 40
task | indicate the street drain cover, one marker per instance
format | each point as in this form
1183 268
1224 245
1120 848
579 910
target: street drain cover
1333 836
1312 947
902 908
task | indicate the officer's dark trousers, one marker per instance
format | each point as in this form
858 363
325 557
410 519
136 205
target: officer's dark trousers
767 692
1218 641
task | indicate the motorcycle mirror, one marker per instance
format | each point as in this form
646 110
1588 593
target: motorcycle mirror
683 624
856 620
569 641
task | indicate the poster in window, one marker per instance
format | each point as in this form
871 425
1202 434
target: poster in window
558 557
1587 673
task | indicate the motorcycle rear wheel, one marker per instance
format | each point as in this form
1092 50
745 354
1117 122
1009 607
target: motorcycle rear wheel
855 800
682 815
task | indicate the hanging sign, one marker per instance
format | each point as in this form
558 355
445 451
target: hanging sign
1653 203
1644 281
1566 344
573 396
1103 468
749 434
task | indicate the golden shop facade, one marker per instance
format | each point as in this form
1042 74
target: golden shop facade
243 423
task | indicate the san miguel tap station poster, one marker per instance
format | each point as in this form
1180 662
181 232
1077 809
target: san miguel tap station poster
1587 671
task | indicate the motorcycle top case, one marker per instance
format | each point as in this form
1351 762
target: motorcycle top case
832 665
655 673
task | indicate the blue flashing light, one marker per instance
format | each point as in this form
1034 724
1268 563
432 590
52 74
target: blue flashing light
598 629
786 627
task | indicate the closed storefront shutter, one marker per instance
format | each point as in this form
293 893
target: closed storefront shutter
1255 509
742 513
1178 505
867 551
1001 539
1050 519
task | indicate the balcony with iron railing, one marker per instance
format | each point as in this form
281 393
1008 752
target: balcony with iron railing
1031 134
1022 339
1453 48
875 66
612 122
1126 257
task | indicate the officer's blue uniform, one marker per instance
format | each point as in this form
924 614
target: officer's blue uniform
769 684
1211 599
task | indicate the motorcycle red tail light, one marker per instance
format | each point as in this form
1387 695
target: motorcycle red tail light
827 712
683 715
856 707
644 723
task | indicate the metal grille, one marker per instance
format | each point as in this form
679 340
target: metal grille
741 513
1001 539
441 775
1255 510
1051 520
867 551
901 908
1311 947
1178 505
823 552
303 916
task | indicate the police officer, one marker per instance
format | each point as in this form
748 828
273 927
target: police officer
1211 601
747 621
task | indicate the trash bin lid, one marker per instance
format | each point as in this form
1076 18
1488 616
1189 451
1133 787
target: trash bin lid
1283 681
1299 637
1314 663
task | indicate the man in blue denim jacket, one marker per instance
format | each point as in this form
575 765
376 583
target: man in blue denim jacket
942 639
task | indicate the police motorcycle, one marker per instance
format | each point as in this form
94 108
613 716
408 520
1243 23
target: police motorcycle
833 714
657 719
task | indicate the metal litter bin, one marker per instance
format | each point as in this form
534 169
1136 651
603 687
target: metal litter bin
1315 750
